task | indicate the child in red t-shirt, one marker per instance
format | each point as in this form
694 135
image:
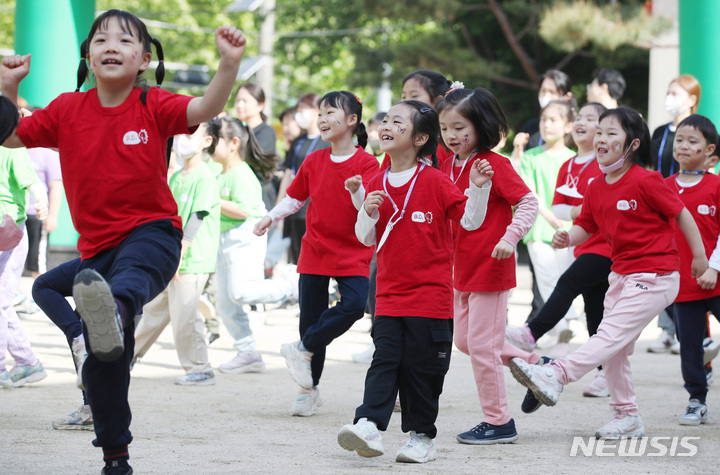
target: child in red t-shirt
631 207
112 142
472 123
328 249
407 213
693 148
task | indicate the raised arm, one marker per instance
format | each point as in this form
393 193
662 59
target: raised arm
231 44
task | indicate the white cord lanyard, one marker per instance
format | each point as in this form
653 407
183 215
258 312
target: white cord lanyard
392 223
452 169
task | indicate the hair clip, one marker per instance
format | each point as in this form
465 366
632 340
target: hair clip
358 99
457 85
425 109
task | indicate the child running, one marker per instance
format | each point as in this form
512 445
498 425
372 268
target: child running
472 123
631 207
240 274
587 275
196 193
328 249
407 213
112 141
693 148
18 177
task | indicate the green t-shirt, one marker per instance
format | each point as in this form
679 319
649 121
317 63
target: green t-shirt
241 186
17 175
539 170
198 191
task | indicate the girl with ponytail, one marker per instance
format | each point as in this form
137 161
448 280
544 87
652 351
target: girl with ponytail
329 248
112 142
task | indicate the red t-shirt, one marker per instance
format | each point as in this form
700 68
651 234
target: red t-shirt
633 216
475 270
702 200
572 182
415 264
329 246
112 159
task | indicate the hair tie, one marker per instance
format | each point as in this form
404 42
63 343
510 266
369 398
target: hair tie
358 99
455 85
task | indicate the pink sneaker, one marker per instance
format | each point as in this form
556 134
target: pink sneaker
520 337
599 386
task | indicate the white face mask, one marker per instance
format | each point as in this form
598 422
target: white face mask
613 167
185 146
675 105
303 119
544 100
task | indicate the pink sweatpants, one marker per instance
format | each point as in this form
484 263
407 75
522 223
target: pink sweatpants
480 332
631 302
12 335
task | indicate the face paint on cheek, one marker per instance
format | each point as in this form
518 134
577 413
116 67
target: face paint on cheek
467 140
337 122
94 64
134 56
401 130
616 147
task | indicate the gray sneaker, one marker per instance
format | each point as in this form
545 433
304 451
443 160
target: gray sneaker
244 362
99 312
622 426
298 363
80 419
695 414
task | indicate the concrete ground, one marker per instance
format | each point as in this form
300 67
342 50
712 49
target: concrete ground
242 424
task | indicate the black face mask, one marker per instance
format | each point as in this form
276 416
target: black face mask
8 118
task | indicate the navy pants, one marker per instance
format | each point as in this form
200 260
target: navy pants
412 355
138 269
320 325
587 276
691 324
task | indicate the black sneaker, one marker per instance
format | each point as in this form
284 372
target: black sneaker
99 312
486 434
531 404
116 468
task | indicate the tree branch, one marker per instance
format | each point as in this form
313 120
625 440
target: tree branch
468 39
569 57
522 56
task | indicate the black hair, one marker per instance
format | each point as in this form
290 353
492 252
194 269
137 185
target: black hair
287 112
599 108
261 162
634 127
425 121
350 104
9 118
377 118
482 109
703 125
257 93
433 82
131 24
562 81
614 80
310 99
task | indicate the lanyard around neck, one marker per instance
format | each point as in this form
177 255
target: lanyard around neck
662 149
391 224
452 168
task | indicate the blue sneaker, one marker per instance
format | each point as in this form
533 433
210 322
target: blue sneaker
531 404
99 312
23 374
486 434
5 381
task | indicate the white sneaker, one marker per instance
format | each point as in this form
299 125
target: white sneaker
622 426
298 362
598 387
362 437
244 362
710 350
520 337
419 449
306 402
709 376
662 344
541 380
79 353
196 379
675 348
695 414
366 355
80 419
